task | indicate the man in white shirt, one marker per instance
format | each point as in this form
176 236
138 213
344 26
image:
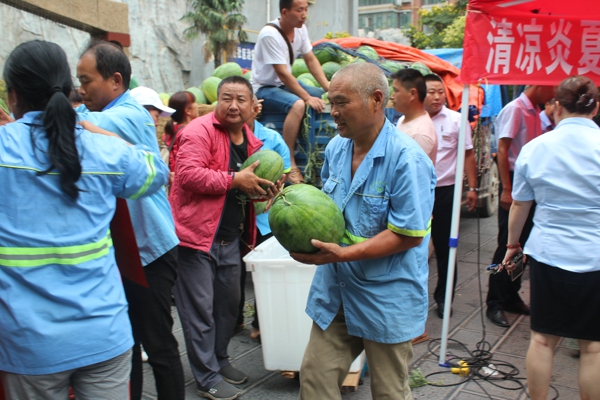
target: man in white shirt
272 80
517 124
447 127
408 94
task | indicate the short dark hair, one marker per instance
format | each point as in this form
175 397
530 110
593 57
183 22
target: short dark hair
285 4
236 79
578 94
109 60
433 78
411 79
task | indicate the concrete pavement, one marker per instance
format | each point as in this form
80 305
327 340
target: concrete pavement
467 325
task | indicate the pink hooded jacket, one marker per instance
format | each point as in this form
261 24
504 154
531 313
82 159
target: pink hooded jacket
202 179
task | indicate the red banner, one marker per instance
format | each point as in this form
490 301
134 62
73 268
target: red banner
531 49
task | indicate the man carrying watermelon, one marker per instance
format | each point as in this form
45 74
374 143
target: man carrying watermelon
276 49
211 221
369 292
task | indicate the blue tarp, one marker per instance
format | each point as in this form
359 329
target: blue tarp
493 98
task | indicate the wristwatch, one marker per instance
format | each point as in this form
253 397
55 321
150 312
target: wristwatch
473 189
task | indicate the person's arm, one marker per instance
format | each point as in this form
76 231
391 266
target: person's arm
292 84
383 244
315 69
519 211
143 172
504 171
471 171
88 126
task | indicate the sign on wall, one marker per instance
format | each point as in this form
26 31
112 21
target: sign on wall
243 55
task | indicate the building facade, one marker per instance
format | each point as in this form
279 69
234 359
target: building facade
376 15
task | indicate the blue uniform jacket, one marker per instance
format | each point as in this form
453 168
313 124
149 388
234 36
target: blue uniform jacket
151 216
385 299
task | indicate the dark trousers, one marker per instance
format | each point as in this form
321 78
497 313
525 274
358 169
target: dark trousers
259 239
503 290
440 236
207 294
152 324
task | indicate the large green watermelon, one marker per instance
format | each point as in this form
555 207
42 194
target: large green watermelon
368 51
133 83
302 212
209 88
308 76
270 167
228 69
164 97
299 67
330 68
393 66
198 94
307 82
422 68
4 106
325 55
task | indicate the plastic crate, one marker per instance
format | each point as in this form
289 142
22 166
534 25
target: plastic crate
281 287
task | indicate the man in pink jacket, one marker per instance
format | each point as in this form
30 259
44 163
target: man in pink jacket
210 219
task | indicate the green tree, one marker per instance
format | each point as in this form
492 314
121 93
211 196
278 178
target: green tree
221 21
446 22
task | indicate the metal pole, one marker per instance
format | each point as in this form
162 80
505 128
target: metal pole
456 205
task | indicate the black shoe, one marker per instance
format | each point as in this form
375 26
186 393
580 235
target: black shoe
233 375
497 317
440 310
518 308
221 391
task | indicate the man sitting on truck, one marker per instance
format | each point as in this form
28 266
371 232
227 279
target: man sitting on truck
276 48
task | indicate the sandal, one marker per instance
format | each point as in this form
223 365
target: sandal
295 176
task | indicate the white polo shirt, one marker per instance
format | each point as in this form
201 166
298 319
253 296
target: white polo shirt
422 130
271 49
447 127
519 121
560 171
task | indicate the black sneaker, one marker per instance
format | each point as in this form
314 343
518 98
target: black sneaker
221 391
233 375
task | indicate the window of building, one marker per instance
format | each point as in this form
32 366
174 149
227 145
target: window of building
375 2
431 2
404 19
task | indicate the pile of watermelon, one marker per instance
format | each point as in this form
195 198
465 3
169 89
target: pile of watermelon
206 93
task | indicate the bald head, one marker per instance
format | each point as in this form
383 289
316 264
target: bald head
364 79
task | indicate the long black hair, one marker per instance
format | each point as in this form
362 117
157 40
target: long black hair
39 74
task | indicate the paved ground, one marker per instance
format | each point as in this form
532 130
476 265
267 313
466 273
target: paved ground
466 325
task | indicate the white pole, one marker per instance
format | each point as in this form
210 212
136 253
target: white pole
456 205
268 11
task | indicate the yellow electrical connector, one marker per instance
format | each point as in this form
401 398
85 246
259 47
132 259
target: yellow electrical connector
462 369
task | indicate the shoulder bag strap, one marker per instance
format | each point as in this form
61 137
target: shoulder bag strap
286 40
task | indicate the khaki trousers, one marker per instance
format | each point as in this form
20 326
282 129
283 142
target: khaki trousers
330 353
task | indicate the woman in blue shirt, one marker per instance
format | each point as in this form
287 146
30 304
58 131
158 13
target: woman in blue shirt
560 171
63 313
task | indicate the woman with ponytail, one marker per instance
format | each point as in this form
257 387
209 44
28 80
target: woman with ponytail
186 110
63 312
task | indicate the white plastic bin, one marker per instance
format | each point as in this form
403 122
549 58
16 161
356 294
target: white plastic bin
281 287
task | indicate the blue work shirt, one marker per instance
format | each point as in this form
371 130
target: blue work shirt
272 140
384 299
150 216
62 304
560 171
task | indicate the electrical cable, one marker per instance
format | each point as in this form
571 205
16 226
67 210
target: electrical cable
480 366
